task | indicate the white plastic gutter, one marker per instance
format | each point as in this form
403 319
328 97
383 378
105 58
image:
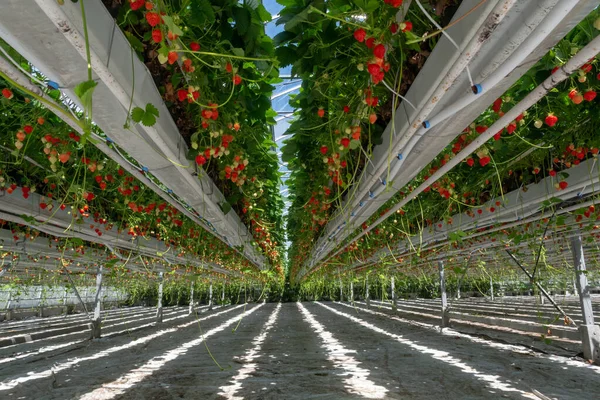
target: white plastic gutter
60 223
160 150
589 51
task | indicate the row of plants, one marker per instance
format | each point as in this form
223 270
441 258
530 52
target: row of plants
216 80
215 69
556 134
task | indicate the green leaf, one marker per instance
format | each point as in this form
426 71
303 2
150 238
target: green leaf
137 114
84 91
201 13
147 117
171 25
263 14
225 207
354 144
242 20
238 51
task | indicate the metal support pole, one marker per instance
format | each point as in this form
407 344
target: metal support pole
210 302
341 292
590 333
352 292
97 320
394 301
191 310
367 299
491 288
223 294
445 314
159 308
550 299
40 302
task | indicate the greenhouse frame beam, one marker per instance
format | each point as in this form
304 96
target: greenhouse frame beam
159 305
444 299
160 149
414 154
590 332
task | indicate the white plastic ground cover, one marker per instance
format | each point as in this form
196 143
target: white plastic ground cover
160 149
357 381
249 366
495 382
8 384
135 376
502 346
522 19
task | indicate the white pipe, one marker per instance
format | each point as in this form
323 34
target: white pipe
589 51
554 18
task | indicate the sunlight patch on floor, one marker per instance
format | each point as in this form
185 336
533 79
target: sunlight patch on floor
357 381
31 376
135 376
249 367
515 348
493 381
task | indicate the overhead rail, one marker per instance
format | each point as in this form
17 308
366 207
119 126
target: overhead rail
160 149
491 40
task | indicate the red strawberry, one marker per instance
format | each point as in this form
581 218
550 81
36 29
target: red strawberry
228 67
481 129
483 161
149 6
153 18
194 46
551 120
406 26
370 42
346 109
321 113
157 35
172 57
323 150
43 206
237 80
572 93
498 135
372 118
200 159
373 69
590 95
511 128
497 105
136 4
552 172
7 93
394 28
360 35
470 161
345 142
379 51
563 185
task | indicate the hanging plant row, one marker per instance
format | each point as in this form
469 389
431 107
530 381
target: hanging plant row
556 134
